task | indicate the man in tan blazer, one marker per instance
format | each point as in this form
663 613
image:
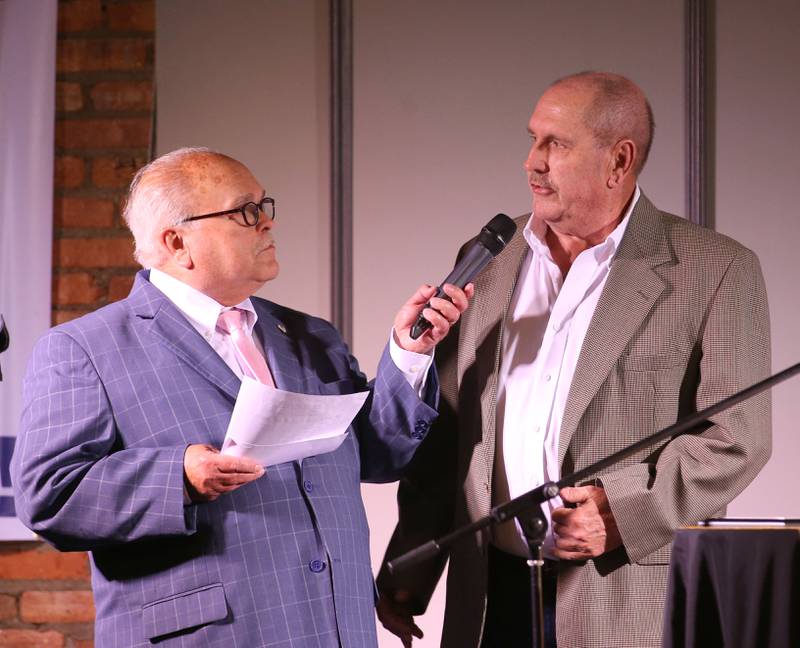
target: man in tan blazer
603 321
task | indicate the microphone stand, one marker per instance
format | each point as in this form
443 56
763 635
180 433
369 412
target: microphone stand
534 527
527 507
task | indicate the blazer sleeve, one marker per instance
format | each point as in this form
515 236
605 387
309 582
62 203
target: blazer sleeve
73 483
696 475
394 422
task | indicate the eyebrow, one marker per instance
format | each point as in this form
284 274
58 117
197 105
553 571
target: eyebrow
248 197
552 136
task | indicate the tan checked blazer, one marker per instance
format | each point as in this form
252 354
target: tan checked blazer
682 323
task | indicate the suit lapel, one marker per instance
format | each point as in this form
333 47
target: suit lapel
175 333
479 355
278 345
633 286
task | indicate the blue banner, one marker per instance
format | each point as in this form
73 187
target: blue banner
27 116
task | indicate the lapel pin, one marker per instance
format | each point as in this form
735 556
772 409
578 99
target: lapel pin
281 328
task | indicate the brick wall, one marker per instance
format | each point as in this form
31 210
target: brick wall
104 109
104 100
45 601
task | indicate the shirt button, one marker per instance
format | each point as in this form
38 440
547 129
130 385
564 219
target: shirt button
415 369
547 378
308 485
316 566
556 326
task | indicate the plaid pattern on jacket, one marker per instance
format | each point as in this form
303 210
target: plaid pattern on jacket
111 402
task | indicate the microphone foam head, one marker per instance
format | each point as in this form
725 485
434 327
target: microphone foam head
496 234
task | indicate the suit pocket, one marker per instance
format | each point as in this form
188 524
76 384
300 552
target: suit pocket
190 609
655 362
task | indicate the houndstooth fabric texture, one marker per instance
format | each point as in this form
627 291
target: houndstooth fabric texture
682 323
111 402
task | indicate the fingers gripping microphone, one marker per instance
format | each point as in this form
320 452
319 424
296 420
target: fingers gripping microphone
490 242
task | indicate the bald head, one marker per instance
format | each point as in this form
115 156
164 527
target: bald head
617 110
164 192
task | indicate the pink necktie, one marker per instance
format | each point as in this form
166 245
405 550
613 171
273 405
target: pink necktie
250 360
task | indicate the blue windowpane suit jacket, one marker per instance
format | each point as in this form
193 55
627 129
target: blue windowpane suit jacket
111 400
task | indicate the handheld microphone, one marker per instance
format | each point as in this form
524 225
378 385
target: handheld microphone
490 242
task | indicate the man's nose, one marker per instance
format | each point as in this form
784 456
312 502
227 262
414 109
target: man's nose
536 161
264 223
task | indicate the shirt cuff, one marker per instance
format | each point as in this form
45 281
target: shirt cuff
413 366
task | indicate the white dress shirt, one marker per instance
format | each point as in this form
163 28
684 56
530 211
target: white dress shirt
202 312
543 333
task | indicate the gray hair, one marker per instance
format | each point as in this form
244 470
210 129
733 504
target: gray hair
618 110
158 198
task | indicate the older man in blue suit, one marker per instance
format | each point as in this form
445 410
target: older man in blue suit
125 410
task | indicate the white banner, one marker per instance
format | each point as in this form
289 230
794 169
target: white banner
27 115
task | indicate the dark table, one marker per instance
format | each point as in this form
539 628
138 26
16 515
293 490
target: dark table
734 587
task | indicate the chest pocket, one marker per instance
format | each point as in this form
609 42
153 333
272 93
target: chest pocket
656 362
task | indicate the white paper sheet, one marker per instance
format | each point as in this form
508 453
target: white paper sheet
273 426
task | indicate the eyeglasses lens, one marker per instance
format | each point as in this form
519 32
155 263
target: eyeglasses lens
251 213
268 209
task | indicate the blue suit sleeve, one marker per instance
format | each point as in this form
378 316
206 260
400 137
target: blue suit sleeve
74 484
394 422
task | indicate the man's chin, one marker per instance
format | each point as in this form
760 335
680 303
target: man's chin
546 214
270 272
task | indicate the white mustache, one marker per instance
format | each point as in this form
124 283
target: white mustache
542 181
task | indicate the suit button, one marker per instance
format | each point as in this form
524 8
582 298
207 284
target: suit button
420 428
316 566
308 485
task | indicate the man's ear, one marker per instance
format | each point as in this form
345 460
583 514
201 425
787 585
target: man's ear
177 248
623 156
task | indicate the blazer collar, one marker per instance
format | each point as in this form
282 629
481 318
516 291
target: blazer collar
482 325
174 332
633 286
172 329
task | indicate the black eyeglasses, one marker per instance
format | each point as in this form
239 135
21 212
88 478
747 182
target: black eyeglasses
250 212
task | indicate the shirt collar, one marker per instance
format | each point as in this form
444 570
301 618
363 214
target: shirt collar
201 310
535 231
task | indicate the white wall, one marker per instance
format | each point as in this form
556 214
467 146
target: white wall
758 140
250 79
